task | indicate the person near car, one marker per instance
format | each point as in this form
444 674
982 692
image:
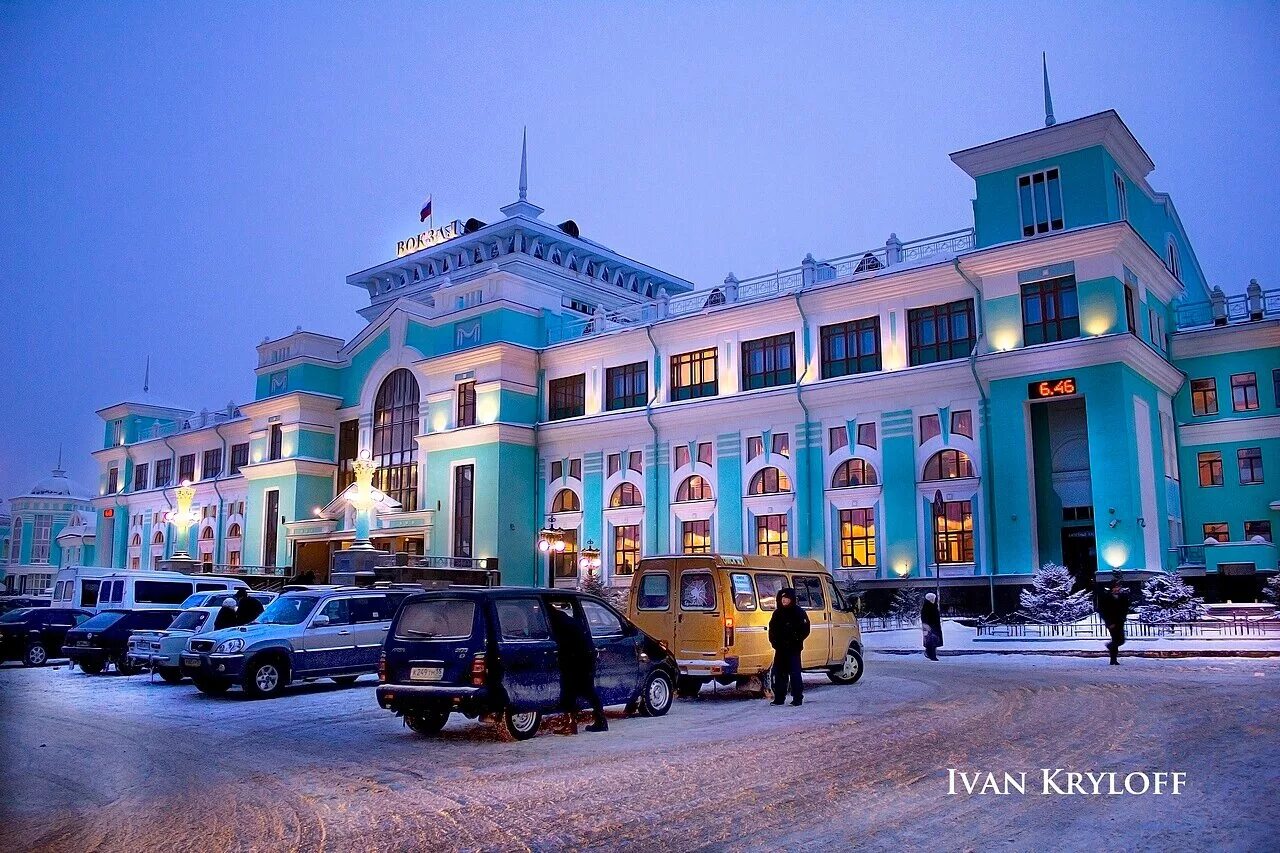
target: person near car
788 628
248 608
1113 607
931 626
227 617
577 669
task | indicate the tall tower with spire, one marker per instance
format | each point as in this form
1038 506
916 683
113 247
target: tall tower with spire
522 206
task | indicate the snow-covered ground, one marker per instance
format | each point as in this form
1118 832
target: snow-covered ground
112 763
959 637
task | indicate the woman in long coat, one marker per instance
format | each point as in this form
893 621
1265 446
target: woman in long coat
931 626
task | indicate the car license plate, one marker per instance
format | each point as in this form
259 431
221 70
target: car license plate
190 660
82 643
426 673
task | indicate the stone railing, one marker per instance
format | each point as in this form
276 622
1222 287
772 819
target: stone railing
1222 310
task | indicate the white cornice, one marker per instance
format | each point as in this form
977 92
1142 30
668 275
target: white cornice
1215 340
456 439
291 401
1083 352
1230 430
287 467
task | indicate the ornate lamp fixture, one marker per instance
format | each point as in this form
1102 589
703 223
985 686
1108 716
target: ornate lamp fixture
589 561
182 518
363 500
551 538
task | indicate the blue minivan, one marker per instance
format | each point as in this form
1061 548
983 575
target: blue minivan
490 652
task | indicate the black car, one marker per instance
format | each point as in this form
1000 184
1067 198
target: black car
34 634
15 602
485 652
104 639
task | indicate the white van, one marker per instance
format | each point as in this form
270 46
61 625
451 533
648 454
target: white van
77 586
130 590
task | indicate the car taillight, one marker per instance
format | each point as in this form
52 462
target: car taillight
478 671
728 631
382 668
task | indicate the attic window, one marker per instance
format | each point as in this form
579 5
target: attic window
1040 202
1171 260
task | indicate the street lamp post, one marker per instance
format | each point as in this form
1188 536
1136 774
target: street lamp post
363 500
589 561
551 541
939 508
182 518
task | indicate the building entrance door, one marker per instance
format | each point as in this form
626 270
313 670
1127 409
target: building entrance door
1080 554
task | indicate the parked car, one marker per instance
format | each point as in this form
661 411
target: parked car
713 611
104 639
303 635
484 652
17 602
161 651
35 634
214 599
77 586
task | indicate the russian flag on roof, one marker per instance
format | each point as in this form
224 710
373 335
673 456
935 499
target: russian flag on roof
426 210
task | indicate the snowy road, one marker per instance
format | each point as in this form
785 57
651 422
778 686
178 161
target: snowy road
113 763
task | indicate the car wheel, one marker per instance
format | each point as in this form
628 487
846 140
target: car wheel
170 674
656 697
345 680
212 686
522 725
427 723
91 667
688 688
849 671
36 655
124 667
264 678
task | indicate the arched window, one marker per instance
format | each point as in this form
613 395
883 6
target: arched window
206 533
625 495
566 501
136 541
948 465
158 539
769 481
395 423
233 532
695 488
854 472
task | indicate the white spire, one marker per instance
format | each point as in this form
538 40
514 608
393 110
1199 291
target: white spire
524 163
146 377
1049 120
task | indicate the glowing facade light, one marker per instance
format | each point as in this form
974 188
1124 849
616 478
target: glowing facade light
362 498
589 559
182 518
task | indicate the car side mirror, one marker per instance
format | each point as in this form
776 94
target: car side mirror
320 621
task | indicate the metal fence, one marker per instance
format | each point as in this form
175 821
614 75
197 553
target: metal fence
1092 629
869 624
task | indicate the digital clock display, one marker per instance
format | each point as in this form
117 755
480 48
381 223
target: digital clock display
1064 387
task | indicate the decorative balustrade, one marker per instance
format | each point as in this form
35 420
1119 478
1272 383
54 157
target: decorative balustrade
1222 310
1094 629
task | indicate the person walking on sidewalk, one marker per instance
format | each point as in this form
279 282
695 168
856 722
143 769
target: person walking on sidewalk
788 628
1113 607
931 626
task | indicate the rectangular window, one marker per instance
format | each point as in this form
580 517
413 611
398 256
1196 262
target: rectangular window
693 375
837 439
1040 202
615 462
635 461
113 480
117 433
275 442
1244 392
857 538
695 537
1275 386
962 423
706 452
1049 311
522 619
940 332
41 537
1130 309
771 535
187 468
953 533
697 591
271 527
239 457
655 591
1253 529
929 427
1122 196
348 450
567 397
744 592
575 468
626 549
1204 396
1217 531
755 447
769 362
626 387
809 592
564 564
867 435
1250 461
467 404
164 473
851 348
211 464
463 509
557 470
782 444
1210 465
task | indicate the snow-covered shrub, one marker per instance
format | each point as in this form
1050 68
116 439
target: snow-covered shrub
1050 600
1271 592
906 603
592 585
1167 598
853 592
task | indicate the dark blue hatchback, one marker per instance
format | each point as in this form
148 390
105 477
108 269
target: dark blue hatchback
492 653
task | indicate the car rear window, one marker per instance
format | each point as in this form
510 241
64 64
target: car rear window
19 615
160 592
744 594
189 620
809 592
372 608
522 619
767 586
152 619
602 621
655 591
102 621
89 593
697 591
439 619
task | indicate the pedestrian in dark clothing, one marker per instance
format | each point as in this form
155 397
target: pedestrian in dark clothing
226 617
577 669
788 628
931 626
248 608
1113 607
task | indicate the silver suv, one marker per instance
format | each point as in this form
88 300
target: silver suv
303 635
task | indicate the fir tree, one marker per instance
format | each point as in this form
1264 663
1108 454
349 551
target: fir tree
593 585
853 592
1167 598
906 603
1050 600
1271 592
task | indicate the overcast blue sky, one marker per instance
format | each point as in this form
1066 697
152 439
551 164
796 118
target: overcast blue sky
181 180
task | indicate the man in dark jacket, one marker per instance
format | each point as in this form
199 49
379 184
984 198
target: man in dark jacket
577 669
226 617
788 628
248 608
931 626
1113 607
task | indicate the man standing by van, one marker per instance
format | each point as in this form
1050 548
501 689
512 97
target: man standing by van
788 628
